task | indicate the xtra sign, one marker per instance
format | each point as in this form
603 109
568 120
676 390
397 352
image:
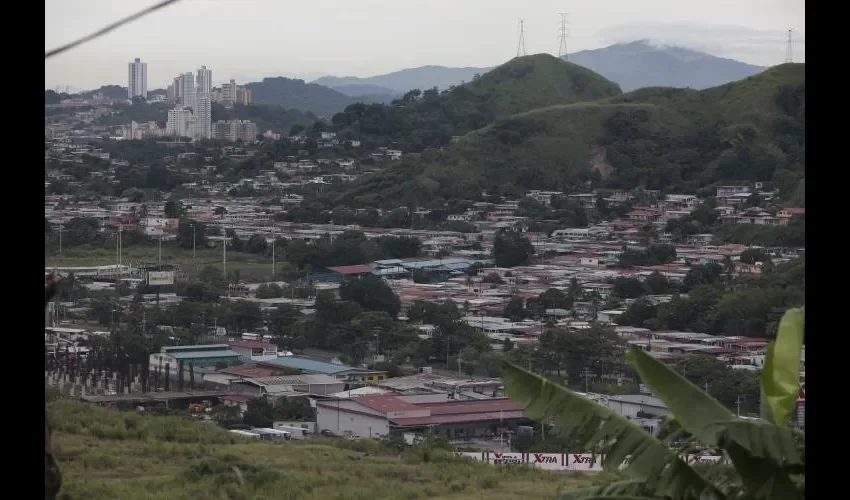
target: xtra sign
585 462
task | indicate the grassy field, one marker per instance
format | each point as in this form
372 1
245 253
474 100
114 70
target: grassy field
107 454
86 256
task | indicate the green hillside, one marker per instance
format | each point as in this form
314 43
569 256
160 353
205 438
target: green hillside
429 118
104 455
660 138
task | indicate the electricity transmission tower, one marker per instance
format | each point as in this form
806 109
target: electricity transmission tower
562 34
520 48
789 47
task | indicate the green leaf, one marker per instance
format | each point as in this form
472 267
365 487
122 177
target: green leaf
781 374
659 468
696 411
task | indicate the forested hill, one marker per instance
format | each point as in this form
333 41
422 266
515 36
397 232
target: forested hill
671 139
429 118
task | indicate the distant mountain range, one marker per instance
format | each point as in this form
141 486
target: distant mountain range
399 82
643 64
631 65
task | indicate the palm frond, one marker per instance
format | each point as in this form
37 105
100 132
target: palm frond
760 464
659 468
696 411
762 440
781 374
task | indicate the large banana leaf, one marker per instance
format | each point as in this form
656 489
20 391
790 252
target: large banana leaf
759 451
660 469
781 374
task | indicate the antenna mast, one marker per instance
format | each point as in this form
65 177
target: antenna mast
789 49
562 32
520 49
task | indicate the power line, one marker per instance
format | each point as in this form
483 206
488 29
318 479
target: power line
117 24
562 33
520 49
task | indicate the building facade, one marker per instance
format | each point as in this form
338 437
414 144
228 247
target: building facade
181 123
234 130
203 83
137 79
203 116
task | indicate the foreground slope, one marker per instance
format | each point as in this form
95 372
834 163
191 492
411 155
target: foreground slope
659 138
427 118
108 454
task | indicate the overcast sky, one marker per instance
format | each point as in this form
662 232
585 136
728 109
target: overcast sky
249 39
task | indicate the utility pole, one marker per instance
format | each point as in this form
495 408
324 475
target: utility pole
224 254
160 252
562 34
738 405
60 239
193 241
120 243
586 380
273 263
520 49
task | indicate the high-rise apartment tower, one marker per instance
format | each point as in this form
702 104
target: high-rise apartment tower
137 79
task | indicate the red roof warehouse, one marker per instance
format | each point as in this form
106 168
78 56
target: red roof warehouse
377 415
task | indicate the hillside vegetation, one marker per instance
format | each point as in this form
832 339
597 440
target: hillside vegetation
105 455
429 118
671 139
295 94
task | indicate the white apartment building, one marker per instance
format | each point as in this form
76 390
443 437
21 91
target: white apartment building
186 90
228 93
203 116
137 79
181 123
234 130
203 84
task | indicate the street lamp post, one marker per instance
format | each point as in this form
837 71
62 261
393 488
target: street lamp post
193 241
273 263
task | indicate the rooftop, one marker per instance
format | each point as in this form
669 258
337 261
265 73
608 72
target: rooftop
309 365
224 353
356 269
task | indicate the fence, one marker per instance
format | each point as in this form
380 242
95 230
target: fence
585 462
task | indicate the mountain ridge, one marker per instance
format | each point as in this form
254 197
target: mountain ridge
683 140
722 70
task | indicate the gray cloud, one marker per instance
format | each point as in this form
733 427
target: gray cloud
755 46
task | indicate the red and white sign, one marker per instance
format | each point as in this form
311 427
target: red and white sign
547 461
477 456
506 458
802 396
703 459
584 462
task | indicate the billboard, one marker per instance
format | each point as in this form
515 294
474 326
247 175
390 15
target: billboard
160 278
584 462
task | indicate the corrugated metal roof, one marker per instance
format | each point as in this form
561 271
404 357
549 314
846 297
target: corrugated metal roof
225 353
461 418
356 269
297 363
205 347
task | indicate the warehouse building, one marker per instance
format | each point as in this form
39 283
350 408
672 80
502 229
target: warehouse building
383 414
